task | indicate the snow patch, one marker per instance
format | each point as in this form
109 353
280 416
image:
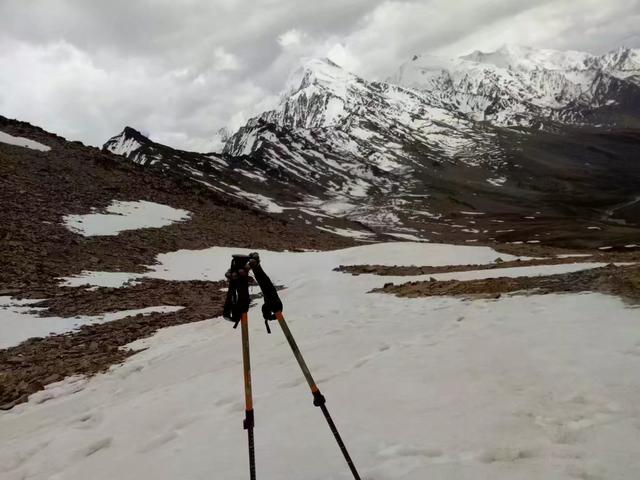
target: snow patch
497 182
101 279
19 321
123 145
407 236
264 203
347 232
123 216
23 142
337 207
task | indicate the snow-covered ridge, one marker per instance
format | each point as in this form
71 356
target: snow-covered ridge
318 94
353 115
127 143
527 58
521 85
123 145
358 138
512 86
386 150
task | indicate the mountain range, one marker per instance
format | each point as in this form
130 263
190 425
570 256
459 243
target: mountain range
516 145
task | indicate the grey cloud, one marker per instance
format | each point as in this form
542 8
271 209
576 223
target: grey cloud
183 69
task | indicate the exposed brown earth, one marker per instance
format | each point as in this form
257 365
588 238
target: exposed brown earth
38 188
28 367
71 301
402 270
623 281
408 270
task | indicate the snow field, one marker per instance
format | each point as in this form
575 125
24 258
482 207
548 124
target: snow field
523 387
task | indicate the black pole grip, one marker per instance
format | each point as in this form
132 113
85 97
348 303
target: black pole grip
269 292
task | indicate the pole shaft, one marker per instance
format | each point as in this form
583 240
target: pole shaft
252 455
316 392
246 362
343 448
296 351
248 397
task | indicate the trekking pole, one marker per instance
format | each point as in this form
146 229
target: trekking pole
235 309
272 309
318 398
248 423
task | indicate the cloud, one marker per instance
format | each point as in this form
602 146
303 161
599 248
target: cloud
290 38
181 70
224 60
342 56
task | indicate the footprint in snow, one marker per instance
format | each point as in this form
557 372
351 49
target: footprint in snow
158 441
292 383
126 370
185 421
94 447
87 420
225 401
582 473
12 460
410 451
506 454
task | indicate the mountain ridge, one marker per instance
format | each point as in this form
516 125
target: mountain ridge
522 86
406 159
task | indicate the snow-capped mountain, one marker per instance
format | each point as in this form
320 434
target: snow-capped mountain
361 140
130 143
529 87
243 178
409 155
140 149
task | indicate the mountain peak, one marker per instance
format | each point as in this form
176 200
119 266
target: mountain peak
520 57
131 132
521 85
514 49
126 141
320 63
321 72
623 59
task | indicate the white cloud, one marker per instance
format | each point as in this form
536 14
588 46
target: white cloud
60 87
182 70
340 55
290 37
225 61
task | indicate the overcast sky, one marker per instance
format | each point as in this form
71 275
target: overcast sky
181 69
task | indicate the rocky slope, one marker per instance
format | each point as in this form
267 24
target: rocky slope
39 188
515 145
43 179
254 181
